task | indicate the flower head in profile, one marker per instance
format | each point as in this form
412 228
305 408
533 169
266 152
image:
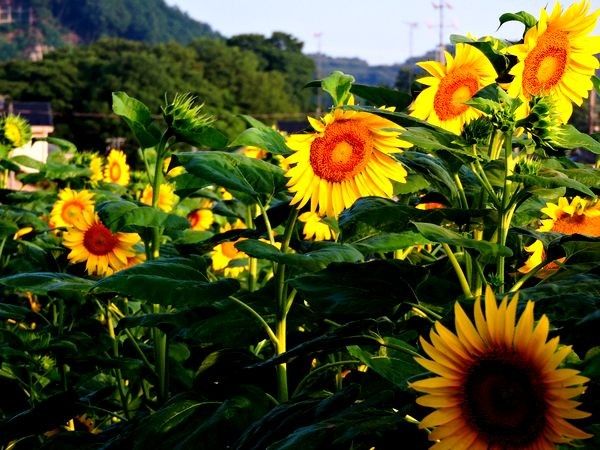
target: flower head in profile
201 219
166 197
103 251
346 158
498 383
449 86
186 118
557 58
70 206
116 170
315 228
16 131
96 163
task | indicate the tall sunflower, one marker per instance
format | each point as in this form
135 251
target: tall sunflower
166 197
116 169
348 157
557 58
498 384
105 252
70 206
442 103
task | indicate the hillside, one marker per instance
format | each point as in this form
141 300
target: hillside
383 75
31 27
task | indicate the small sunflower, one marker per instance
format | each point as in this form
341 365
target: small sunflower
16 130
96 163
116 169
442 103
348 157
538 255
557 58
70 207
498 384
166 197
105 252
315 228
201 219
226 253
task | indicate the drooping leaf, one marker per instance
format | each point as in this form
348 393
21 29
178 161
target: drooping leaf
387 242
524 17
550 178
168 281
44 283
234 171
138 117
570 137
263 137
324 254
122 215
338 85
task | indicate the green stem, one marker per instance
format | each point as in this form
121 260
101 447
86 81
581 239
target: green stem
118 374
252 262
270 233
139 351
527 276
461 191
505 211
464 284
258 317
160 351
283 307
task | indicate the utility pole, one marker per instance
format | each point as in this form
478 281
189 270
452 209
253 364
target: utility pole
318 36
411 28
441 6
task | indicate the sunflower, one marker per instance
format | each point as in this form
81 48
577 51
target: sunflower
498 384
201 219
116 169
580 216
442 103
315 228
105 252
96 169
347 158
16 130
22 232
166 197
70 206
254 152
557 58
226 253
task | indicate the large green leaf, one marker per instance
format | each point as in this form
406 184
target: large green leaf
234 171
443 235
169 281
387 242
395 365
550 178
138 117
44 283
570 137
432 169
261 136
122 215
382 96
324 254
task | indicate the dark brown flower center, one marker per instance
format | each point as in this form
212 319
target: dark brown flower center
504 400
98 240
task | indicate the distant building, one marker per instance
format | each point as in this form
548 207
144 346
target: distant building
39 116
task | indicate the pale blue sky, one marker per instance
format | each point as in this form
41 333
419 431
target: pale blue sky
374 30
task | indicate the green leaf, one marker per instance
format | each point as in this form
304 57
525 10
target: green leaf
387 242
338 85
324 254
168 281
263 137
205 137
44 283
433 169
27 161
596 82
524 17
122 215
587 176
437 233
63 144
570 137
7 228
234 171
382 96
394 365
138 117
550 178
428 139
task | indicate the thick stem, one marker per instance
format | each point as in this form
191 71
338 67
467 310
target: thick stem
464 284
461 191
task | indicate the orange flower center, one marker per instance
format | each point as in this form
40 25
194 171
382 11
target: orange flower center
115 171
454 90
229 250
577 224
71 210
546 63
98 240
194 218
504 400
342 152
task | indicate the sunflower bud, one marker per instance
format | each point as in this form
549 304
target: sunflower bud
543 121
15 130
478 131
185 118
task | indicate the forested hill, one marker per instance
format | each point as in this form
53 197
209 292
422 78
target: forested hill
54 23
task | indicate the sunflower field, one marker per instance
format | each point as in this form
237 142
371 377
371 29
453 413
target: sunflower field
414 270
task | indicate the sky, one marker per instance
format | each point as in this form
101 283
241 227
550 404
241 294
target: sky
377 31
